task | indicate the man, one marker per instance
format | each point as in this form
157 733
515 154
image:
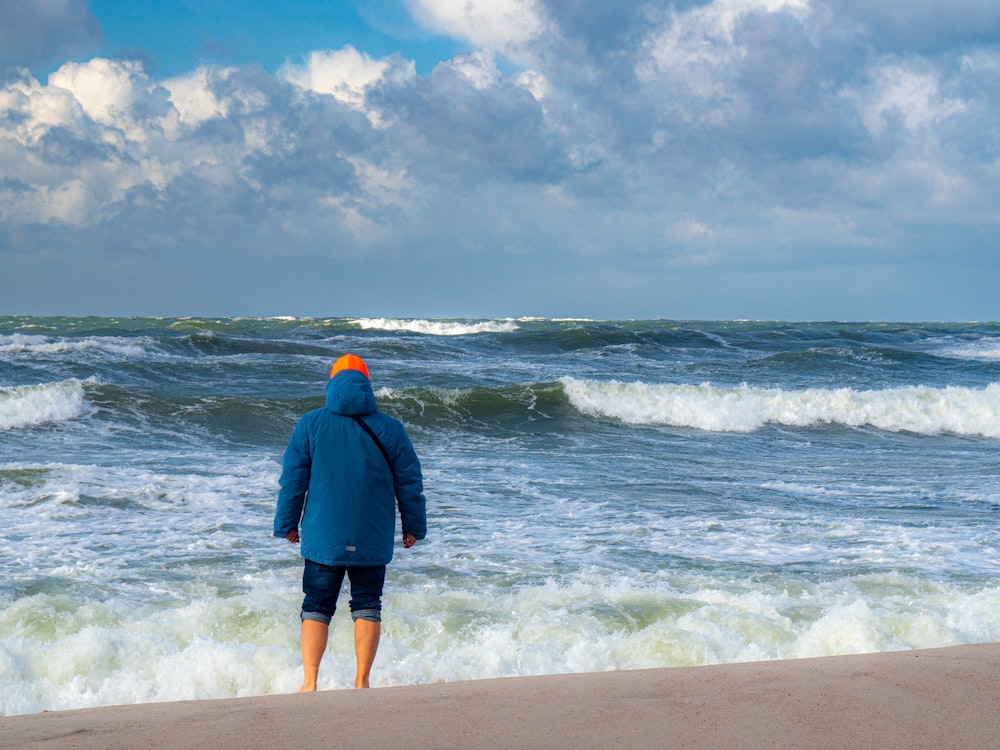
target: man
346 469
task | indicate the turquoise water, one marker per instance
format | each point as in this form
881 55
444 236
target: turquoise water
602 495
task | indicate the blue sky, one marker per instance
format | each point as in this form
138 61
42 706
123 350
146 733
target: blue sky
768 159
173 37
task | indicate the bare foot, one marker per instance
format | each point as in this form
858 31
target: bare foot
307 689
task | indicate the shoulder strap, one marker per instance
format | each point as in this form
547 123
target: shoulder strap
371 432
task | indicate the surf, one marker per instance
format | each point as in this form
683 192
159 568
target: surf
437 327
574 527
922 410
31 405
22 344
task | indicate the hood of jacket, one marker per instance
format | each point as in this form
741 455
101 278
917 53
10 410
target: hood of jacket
350 393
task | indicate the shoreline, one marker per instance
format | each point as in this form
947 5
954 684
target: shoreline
933 698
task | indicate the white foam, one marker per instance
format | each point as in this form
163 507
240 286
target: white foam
919 409
18 343
987 349
56 653
437 327
28 405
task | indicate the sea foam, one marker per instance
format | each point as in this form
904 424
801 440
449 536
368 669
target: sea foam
21 344
919 409
437 327
29 405
986 349
57 654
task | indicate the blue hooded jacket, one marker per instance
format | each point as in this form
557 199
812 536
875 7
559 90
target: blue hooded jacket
336 483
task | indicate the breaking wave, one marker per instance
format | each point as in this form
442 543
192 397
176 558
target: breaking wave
437 327
918 409
29 405
986 349
21 344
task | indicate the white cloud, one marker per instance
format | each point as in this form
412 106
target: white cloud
479 68
505 26
694 55
347 75
37 108
72 202
82 142
536 83
344 74
193 98
904 91
704 34
724 135
981 61
107 90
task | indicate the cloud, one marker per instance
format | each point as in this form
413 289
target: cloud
506 26
910 95
193 98
922 27
656 151
41 31
347 75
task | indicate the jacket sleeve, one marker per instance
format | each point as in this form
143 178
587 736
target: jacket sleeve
408 481
296 469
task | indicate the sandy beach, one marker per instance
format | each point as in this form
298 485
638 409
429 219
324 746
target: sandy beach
935 698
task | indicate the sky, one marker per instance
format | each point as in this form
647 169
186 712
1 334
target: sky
721 159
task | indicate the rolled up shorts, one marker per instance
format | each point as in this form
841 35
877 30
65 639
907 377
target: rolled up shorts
321 586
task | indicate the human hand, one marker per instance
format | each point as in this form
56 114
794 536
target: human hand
408 540
293 536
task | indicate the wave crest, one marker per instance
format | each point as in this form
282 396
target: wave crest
18 343
918 409
987 349
437 327
28 405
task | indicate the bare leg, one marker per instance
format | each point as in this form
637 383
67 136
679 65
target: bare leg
366 637
314 635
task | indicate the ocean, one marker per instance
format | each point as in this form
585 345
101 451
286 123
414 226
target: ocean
602 495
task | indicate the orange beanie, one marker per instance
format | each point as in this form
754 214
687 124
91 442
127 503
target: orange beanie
350 362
